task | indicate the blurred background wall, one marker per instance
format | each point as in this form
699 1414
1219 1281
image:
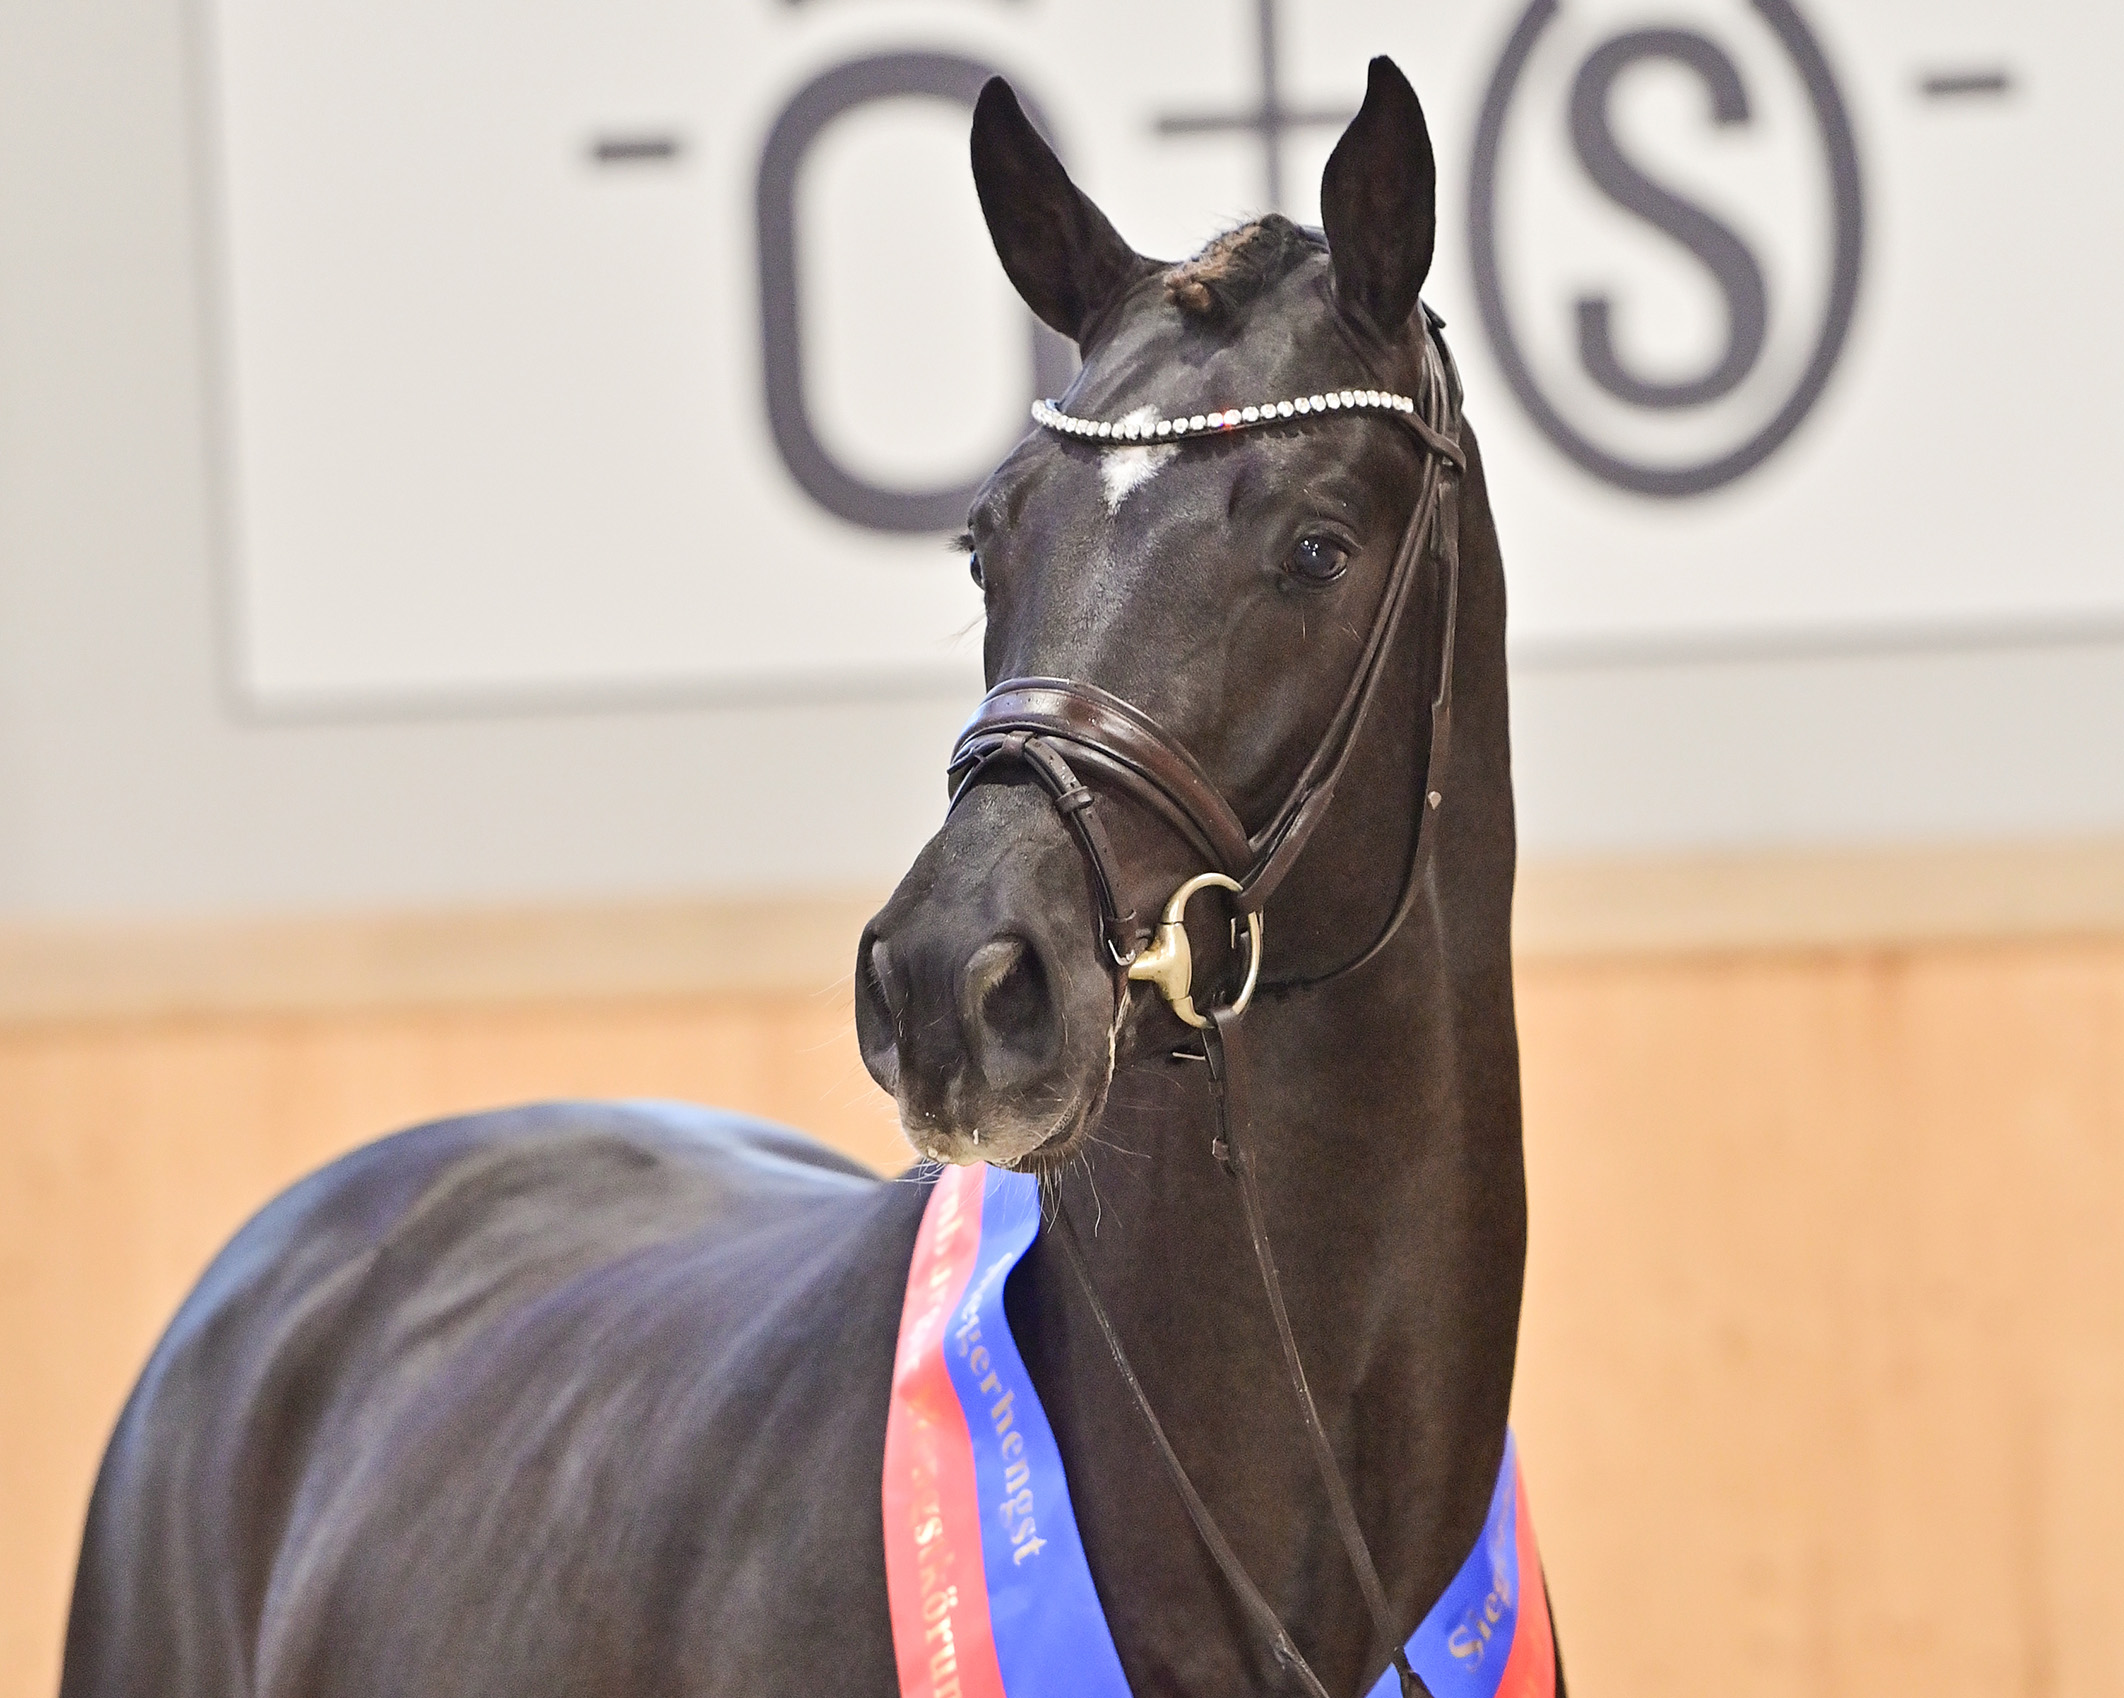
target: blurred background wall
1822 929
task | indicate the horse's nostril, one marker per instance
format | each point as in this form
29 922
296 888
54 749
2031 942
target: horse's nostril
878 1000
1009 1010
878 977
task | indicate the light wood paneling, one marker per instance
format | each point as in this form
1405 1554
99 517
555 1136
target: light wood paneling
428 959
1823 1380
1822 1384
1842 898
685 946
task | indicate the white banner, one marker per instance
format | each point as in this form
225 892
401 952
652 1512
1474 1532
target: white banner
632 344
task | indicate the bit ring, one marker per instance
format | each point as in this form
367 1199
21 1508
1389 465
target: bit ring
1169 961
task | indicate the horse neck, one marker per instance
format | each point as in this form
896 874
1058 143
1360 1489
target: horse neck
1395 1210
1384 1114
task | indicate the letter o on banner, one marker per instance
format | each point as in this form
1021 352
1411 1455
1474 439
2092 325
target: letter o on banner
888 76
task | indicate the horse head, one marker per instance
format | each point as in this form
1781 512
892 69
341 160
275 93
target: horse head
1221 586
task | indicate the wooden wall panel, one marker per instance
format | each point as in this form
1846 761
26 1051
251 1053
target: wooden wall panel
1823 1384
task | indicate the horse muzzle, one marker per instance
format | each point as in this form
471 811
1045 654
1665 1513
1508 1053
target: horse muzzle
978 1004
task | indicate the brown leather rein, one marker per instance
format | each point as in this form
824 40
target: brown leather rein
1081 743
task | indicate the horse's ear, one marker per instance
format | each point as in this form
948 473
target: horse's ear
1058 249
1379 203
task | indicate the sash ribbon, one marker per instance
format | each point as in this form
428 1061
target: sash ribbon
991 1594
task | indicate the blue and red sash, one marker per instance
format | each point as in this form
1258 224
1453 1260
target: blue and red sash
991 1594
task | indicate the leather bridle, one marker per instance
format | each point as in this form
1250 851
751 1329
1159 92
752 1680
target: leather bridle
1082 744
1051 728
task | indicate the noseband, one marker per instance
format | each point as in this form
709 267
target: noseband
1080 743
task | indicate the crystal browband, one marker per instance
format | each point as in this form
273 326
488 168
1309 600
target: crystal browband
1231 418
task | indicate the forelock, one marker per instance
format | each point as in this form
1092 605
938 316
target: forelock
1239 265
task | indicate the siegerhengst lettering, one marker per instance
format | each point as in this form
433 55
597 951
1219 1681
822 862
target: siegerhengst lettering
1016 1509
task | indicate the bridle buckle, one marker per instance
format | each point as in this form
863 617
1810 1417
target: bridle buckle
1168 961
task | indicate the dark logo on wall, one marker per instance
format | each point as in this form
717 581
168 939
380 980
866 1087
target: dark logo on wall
1667 321
834 486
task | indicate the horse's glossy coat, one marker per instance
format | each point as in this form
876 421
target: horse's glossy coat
589 1399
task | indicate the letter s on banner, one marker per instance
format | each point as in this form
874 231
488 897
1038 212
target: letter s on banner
1724 451
1733 267
859 82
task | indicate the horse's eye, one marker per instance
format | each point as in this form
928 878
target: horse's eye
1319 560
973 570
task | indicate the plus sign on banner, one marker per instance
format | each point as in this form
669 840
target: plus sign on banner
622 345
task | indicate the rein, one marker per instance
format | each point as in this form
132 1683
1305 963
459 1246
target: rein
1051 728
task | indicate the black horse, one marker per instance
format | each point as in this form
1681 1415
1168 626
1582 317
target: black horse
591 1398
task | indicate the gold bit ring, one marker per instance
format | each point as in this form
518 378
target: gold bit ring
1169 962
